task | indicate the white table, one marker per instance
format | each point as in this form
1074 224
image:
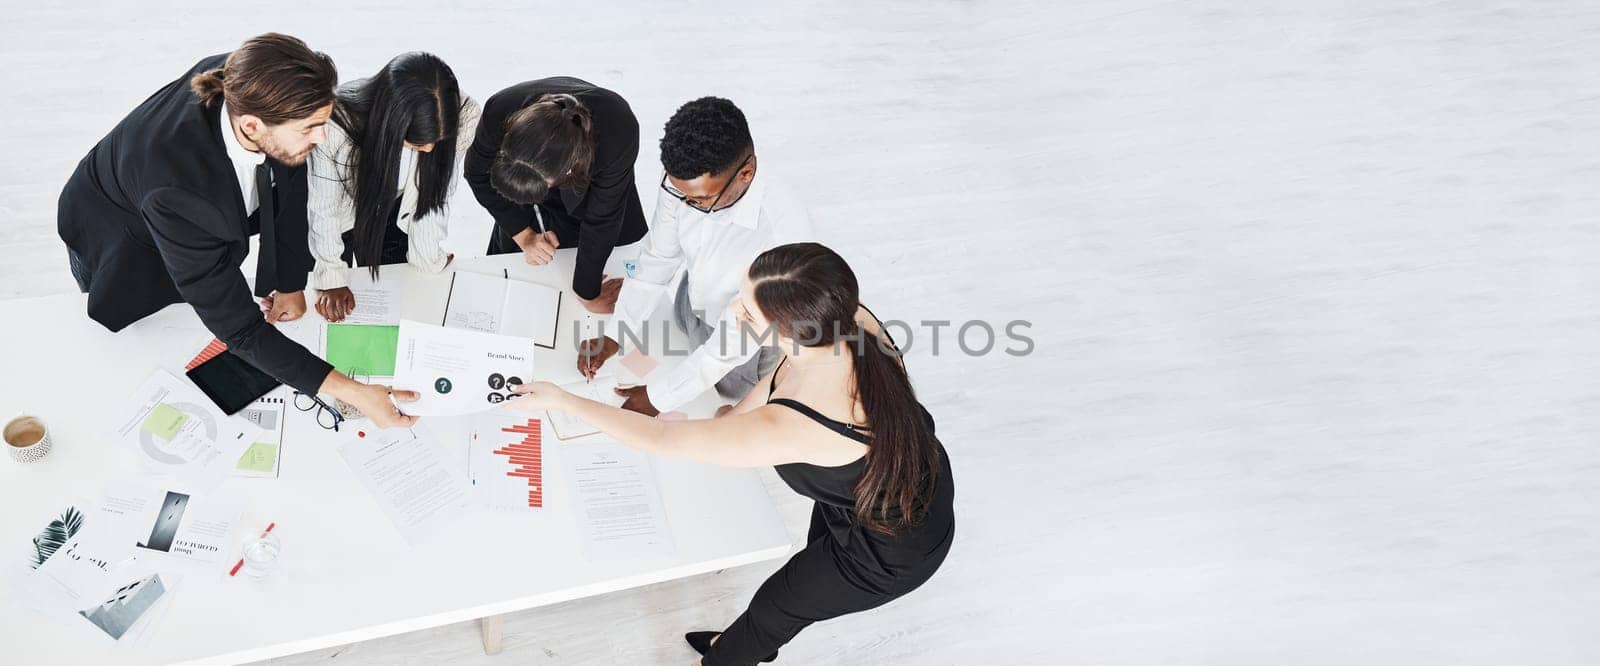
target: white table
346 574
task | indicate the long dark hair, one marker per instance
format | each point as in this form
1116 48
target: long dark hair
413 99
550 138
810 294
274 77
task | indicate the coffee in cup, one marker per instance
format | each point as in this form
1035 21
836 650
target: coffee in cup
27 439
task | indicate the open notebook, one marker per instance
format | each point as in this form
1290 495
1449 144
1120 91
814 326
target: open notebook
494 304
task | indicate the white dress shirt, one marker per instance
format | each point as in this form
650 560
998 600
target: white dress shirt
717 249
244 164
331 212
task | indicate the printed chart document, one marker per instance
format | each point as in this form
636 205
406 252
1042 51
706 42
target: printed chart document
414 481
620 516
262 457
179 431
377 301
505 461
458 371
501 305
603 389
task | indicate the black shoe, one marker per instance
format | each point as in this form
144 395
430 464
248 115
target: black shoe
701 642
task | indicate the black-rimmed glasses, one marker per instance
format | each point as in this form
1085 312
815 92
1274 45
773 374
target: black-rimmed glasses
680 196
327 417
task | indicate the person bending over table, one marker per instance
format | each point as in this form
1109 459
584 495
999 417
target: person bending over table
840 422
714 213
553 164
382 179
162 209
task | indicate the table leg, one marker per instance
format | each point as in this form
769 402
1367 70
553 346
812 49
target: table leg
492 628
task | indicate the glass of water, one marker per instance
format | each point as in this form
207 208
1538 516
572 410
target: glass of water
261 556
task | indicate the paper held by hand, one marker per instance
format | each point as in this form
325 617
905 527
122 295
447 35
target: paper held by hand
458 371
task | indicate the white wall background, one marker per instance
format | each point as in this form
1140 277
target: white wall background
1313 285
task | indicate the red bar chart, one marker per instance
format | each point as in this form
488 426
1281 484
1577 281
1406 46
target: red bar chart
524 458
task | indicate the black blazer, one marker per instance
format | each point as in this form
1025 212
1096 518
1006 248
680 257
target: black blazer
155 217
602 207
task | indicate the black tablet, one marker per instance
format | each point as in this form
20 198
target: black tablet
231 382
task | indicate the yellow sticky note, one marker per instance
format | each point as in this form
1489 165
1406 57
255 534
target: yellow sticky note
260 457
164 421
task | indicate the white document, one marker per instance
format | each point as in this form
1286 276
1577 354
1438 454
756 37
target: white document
172 530
95 581
458 371
377 301
115 599
501 305
603 389
414 481
620 516
57 530
179 431
262 457
306 330
505 461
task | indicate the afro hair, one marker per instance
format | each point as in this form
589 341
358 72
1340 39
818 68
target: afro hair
706 136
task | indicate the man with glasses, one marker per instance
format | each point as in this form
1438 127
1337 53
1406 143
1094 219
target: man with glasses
713 216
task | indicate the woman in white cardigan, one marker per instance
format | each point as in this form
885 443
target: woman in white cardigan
381 181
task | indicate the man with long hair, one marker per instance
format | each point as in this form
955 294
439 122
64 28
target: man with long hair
162 209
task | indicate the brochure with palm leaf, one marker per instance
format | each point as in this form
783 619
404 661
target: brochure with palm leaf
55 534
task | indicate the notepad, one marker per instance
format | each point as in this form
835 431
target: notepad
494 304
359 349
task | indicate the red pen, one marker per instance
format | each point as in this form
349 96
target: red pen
240 563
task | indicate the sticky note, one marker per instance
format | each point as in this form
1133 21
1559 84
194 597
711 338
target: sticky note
260 457
363 350
164 421
638 363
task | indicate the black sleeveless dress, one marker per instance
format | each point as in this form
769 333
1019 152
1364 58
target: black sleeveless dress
845 567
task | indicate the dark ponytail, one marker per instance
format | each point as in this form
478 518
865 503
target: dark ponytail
550 138
274 77
810 294
414 98
208 86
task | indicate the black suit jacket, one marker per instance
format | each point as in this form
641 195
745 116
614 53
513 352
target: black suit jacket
155 216
602 207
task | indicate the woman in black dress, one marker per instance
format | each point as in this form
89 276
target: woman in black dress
842 426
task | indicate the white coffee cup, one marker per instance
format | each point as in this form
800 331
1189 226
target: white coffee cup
27 439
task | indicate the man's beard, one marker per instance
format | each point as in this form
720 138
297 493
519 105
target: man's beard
276 152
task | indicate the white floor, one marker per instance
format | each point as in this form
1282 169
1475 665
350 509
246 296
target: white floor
1313 286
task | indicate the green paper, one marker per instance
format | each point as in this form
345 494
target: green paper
260 457
363 350
164 421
